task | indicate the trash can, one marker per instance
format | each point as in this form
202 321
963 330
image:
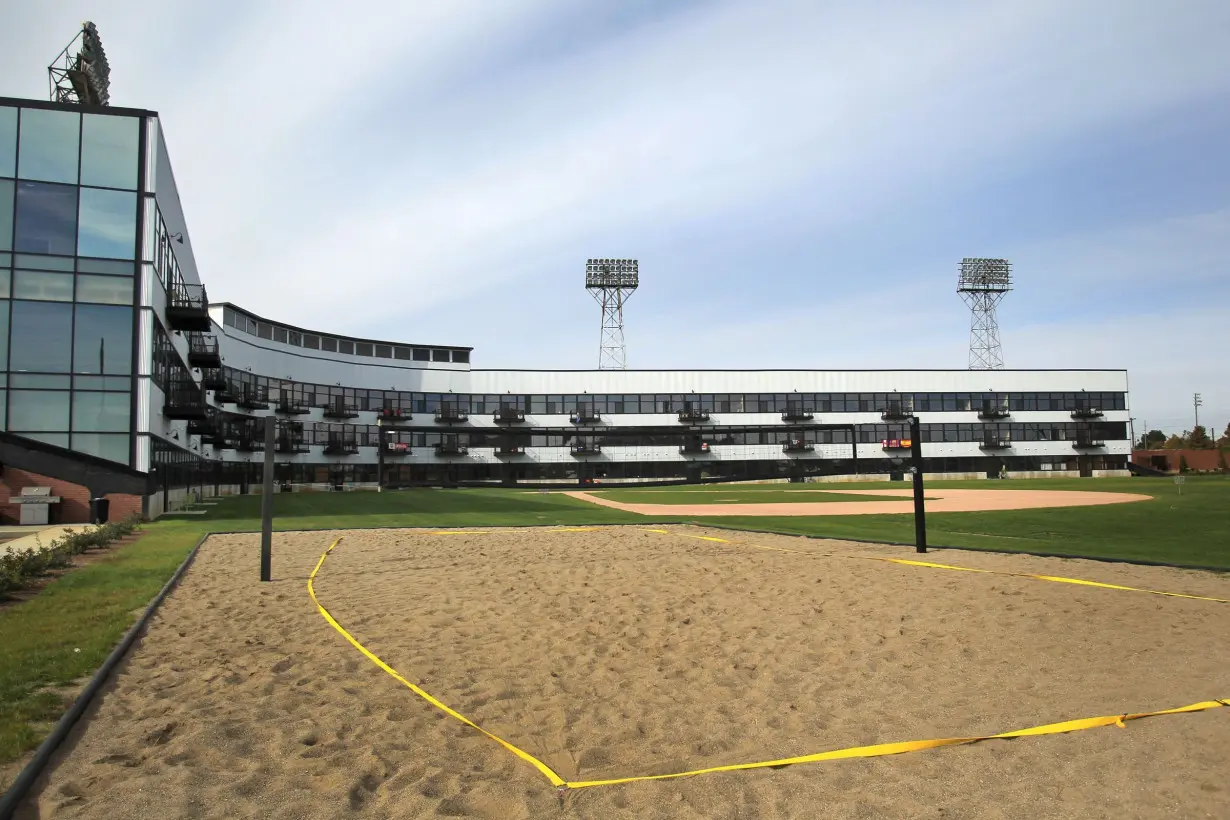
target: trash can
100 508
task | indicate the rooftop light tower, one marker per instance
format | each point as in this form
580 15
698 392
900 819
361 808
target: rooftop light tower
81 74
612 282
982 285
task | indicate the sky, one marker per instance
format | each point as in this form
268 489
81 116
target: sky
799 180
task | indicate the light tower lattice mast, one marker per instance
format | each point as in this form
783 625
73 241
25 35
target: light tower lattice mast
612 282
982 285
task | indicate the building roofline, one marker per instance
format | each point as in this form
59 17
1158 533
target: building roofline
88 109
804 370
298 329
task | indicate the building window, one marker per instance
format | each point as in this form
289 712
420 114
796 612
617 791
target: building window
439 355
264 330
295 338
461 356
109 149
49 142
43 410
49 287
384 352
280 334
8 142
110 446
102 340
311 342
6 211
46 218
328 344
4 336
106 266
346 347
362 349
46 331
422 354
101 412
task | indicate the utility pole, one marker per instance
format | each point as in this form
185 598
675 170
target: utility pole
1196 402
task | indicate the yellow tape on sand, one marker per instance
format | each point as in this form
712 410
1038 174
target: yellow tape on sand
875 750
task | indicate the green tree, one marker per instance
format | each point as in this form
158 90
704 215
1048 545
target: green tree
1176 442
1199 439
1183 468
1224 441
1152 440
1221 460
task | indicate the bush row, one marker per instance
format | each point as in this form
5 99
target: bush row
19 567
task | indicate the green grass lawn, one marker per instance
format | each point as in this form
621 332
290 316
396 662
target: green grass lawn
89 609
786 494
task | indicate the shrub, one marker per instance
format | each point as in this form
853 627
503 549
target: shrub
19 567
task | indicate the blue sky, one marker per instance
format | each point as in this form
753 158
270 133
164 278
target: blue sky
799 179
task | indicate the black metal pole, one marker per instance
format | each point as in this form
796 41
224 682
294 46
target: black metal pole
380 445
920 507
267 503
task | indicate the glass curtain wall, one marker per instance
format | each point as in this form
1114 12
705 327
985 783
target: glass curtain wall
68 248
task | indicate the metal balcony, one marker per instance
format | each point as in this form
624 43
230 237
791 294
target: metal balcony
202 426
692 415
585 415
990 412
451 448
510 450
292 407
585 449
896 412
694 448
396 448
203 350
188 308
797 414
509 415
250 443
250 398
389 413
340 410
185 400
1087 443
341 447
1087 412
995 443
449 413
212 379
291 444
896 444
798 446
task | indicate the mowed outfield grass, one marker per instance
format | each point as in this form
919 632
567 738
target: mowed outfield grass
50 643
787 494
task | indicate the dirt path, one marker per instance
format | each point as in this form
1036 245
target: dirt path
939 500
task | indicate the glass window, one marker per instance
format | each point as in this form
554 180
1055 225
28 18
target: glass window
384 352
311 342
462 356
35 284
41 381
39 262
346 347
101 412
8 142
6 210
46 331
328 343
401 353
102 341
108 224
6 279
109 148
439 355
46 218
362 349
106 290
280 335
49 145
4 335
422 354
38 410
295 338
58 439
118 269
106 445
264 330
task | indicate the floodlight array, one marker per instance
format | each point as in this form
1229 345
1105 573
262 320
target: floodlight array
994 275
81 72
611 273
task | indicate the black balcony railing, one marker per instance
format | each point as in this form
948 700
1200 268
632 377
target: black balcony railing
185 400
993 411
390 413
585 448
796 414
188 307
896 443
692 414
338 409
1087 443
396 448
451 448
1086 412
451 413
585 415
203 350
795 445
202 426
250 441
212 379
252 398
338 446
994 442
292 444
509 450
509 415
896 411
694 448
290 406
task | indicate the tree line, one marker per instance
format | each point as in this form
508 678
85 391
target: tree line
1197 438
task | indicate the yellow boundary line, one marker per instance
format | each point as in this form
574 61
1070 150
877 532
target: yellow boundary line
875 750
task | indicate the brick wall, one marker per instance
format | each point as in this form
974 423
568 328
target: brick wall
74 506
1169 459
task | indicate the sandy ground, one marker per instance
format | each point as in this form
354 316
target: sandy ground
619 651
938 500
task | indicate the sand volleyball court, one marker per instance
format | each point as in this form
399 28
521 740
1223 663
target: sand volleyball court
619 651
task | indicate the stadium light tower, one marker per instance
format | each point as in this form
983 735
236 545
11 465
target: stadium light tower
81 73
612 282
982 284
